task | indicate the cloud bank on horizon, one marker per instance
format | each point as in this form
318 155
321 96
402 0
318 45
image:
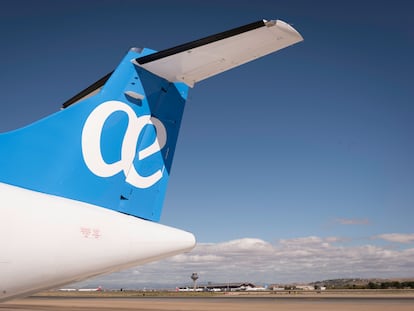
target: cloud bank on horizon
303 259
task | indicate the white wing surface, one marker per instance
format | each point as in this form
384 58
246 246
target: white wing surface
201 59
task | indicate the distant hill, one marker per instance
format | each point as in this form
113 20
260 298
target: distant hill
366 283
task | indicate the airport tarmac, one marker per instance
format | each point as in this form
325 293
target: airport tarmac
211 304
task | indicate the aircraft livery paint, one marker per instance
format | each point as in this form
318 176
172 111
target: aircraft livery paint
91 144
123 163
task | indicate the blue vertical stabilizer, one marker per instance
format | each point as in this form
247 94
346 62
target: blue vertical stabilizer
113 149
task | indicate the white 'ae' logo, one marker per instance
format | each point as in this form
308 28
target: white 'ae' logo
91 144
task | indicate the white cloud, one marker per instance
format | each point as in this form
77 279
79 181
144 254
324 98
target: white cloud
397 237
301 259
334 239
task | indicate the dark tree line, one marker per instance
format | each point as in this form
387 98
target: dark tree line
389 285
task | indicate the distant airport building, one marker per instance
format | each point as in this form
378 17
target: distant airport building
305 287
279 287
220 287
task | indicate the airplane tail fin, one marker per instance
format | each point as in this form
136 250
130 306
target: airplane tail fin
113 144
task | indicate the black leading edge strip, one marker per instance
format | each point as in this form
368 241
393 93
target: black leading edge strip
200 42
86 91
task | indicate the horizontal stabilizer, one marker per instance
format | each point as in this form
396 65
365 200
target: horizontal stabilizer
203 58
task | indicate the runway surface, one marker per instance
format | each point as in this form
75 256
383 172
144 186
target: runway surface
210 304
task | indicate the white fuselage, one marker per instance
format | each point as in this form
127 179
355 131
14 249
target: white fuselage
47 241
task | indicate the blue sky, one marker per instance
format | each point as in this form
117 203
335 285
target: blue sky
311 146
